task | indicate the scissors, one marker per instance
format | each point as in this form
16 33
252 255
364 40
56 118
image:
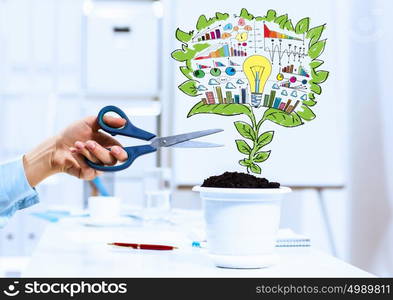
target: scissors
181 140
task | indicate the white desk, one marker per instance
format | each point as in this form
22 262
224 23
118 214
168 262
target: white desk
70 249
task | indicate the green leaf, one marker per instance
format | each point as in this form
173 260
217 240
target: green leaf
245 15
319 76
261 156
245 130
315 33
264 139
186 71
270 15
243 147
281 20
316 63
306 114
316 88
220 109
289 26
221 16
302 26
183 36
245 162
179 55
255 169
202 22
311 96
282 118
200 47
316 49
186 54
189 88
309 102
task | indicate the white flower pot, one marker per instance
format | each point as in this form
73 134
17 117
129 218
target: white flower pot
242 225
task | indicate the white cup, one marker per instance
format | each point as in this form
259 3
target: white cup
104 208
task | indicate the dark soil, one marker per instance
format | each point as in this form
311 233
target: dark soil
239 180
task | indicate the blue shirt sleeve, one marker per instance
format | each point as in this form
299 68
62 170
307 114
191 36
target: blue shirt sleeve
15 191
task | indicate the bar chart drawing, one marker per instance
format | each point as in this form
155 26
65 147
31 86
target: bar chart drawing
277 35
233 64
271 101
199 66
218 64
210 97
243 92
219 95
290 69
282 105
224 51
228 97
209 34
302 72
277 102
286 84
299 87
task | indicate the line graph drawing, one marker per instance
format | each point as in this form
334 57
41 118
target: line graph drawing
275 50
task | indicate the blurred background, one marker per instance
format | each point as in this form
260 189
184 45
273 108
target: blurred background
61 60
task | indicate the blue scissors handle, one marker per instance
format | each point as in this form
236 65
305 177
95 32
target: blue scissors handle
127 130
132 152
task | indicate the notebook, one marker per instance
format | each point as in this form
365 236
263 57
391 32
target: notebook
286 238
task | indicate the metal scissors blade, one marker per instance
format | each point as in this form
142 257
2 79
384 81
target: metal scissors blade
180 138
196 144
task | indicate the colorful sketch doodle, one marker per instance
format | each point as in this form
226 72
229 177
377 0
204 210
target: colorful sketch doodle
239 64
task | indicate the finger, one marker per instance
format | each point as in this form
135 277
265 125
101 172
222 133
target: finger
84 171
104 139
73 150
116 122
82 149
76 166
79 167
102 154
72 167
119 153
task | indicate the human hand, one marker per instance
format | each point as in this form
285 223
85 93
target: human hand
66 152
85 141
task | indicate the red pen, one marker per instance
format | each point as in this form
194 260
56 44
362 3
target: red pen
143 246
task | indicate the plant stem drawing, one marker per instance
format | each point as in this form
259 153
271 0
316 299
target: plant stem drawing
242 64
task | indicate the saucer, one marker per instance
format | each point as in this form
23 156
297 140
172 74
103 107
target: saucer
108 222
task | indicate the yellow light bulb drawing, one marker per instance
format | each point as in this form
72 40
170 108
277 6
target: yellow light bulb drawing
257 69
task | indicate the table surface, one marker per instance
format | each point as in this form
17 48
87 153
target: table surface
70 248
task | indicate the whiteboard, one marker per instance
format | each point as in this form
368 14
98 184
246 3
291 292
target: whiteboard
309 155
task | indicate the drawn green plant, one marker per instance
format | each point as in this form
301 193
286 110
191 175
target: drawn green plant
254 139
